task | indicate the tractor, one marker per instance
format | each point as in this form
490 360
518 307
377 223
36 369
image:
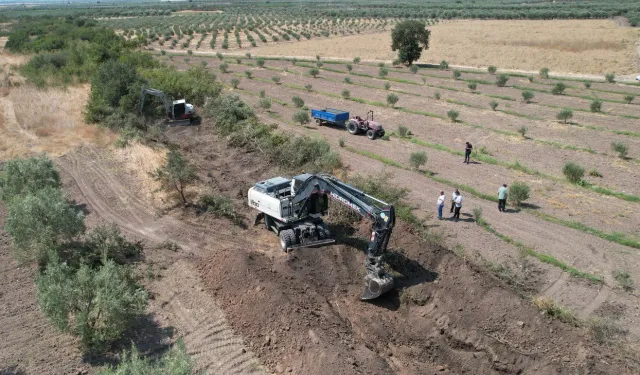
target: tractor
372 129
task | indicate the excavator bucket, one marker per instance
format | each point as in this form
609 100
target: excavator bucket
374 287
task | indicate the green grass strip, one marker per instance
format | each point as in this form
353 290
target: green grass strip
617 237
544 258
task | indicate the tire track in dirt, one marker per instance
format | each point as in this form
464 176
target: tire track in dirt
180 299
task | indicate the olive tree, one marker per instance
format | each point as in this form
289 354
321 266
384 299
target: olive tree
176 174
96 304
40 222
26 176
409 38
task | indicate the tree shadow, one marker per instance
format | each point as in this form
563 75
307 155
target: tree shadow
146 335
80 207
12 370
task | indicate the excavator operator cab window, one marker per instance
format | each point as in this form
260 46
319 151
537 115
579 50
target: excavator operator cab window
179 109
318 204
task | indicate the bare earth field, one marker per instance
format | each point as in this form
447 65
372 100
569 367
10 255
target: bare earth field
464 302
579 46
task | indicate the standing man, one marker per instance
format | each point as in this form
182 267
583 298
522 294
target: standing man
502 198
453 199
458 204
440 206
467 152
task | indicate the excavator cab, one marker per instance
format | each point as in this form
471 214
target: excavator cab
178 112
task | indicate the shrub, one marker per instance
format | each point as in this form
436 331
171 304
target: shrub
595 173
301 117
403 131
265 103
620 148
456 74
260 62
382 72
319 64
414 69
610 77
624 280
20 177
276 80
596 106
98 305
551 308
477 214
314 72
444 65
573 172
220 205
346 94
248 55
356 60
219 56
493 104
492 69
564 115
223 67
234 83
308 87
523 130
318 57
387 85
531 79
262 94
294 61
396 62
176 174
341 142
347 80
204 63
189 52
629 98
472 86
349 67
380 65
587 85
544 72
559 88
501 80
104 242
297 102
453 115
392 99
519 192
248 73
418 159
527 96
424 80
436 95
175 362
40 221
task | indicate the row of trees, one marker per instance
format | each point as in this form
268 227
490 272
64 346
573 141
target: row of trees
85 284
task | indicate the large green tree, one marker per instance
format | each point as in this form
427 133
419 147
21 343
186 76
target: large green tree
27 176
409 38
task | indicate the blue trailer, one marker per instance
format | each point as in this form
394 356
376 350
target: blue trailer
330 116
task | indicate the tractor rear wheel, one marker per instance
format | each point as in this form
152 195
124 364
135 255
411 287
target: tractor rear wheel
371 134
352 127
287 239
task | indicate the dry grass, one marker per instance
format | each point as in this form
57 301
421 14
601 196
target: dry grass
50 121
581 46
551 308
142 160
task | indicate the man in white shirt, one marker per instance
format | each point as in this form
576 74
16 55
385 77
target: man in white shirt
440 204
458 204
453 199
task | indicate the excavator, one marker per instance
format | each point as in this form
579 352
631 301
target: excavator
178 112
293 209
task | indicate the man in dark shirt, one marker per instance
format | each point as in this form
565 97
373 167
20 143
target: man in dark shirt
467 152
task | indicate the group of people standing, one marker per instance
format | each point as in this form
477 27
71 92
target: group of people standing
456 202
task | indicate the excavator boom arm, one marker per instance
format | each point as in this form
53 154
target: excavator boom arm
168 104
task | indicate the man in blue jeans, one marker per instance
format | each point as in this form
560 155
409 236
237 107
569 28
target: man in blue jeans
440 204
502 198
